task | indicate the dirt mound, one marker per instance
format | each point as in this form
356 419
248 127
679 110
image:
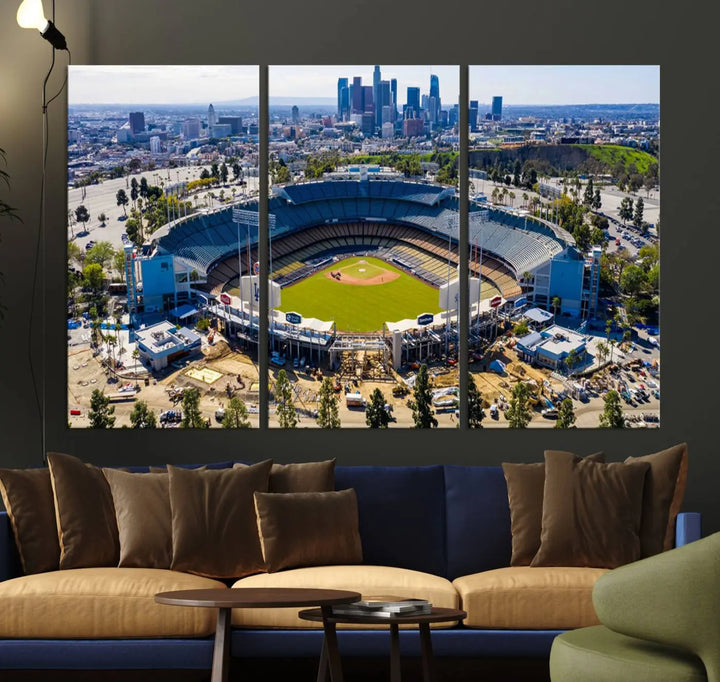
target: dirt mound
216 351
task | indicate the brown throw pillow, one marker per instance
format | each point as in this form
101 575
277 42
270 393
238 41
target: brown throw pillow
214 531
308 529
301 477
28 498
663 496
84 513
142 511
591 512
526 484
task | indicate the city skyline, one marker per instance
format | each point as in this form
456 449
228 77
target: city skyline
130 85
321 81
566 84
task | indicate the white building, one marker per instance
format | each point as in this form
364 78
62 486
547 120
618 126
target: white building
155 146
162 343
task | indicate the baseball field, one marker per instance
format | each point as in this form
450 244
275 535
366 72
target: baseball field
360 293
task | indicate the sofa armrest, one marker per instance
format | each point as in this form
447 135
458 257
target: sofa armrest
687 528
670 598
9 558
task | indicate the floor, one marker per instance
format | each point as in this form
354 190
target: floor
305 670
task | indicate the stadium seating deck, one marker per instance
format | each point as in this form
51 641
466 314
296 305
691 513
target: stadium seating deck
381 214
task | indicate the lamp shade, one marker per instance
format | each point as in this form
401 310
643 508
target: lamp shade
30 14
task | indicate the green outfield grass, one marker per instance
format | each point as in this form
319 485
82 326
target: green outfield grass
360 308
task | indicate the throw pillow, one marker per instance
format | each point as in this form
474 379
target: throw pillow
525 484
301 477
84 513
591 512
142 511
308 529
214 531
28 498
662 498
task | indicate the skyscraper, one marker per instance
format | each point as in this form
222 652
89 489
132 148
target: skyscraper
212 118
473 115
191 128
412 108
497 109
393 89
343 99
357 95
295 115
434 86
368 102
385 95
137 122
434 105
377 99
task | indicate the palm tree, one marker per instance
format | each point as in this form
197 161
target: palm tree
603 351
512 198
570 361
525 199
555 303
136 357
118 327
612 343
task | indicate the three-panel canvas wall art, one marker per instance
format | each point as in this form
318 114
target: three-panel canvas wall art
363 248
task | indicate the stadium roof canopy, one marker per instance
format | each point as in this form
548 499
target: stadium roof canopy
523 242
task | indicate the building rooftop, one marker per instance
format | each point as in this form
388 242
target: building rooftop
163 336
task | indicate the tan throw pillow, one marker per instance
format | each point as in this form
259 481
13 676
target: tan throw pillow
84 513
142 511
308 529
663 497
526 484
28 498
301 477
214 531
591 512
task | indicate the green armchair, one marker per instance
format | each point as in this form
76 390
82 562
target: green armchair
660 622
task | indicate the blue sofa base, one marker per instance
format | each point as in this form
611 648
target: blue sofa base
196 654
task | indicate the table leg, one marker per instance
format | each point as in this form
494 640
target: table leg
221 652
428 666
323 665
395 668
331 642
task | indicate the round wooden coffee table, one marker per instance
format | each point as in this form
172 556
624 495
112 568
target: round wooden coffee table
422 620
255 598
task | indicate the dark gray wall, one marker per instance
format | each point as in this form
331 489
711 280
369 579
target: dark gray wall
356 31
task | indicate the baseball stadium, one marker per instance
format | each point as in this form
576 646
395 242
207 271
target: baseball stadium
370 264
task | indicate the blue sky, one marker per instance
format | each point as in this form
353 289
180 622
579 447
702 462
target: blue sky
516 84
161 84
566 84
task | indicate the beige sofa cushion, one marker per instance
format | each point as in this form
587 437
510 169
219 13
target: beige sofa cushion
522 597
102 603
370 581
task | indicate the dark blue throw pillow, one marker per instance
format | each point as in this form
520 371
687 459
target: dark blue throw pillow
402 515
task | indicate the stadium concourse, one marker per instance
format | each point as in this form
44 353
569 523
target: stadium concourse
412 226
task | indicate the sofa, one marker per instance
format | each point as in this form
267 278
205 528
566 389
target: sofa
437 532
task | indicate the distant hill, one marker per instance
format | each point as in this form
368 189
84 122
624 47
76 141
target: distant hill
556 158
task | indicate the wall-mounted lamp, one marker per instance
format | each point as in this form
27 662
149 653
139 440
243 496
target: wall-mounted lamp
30 14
